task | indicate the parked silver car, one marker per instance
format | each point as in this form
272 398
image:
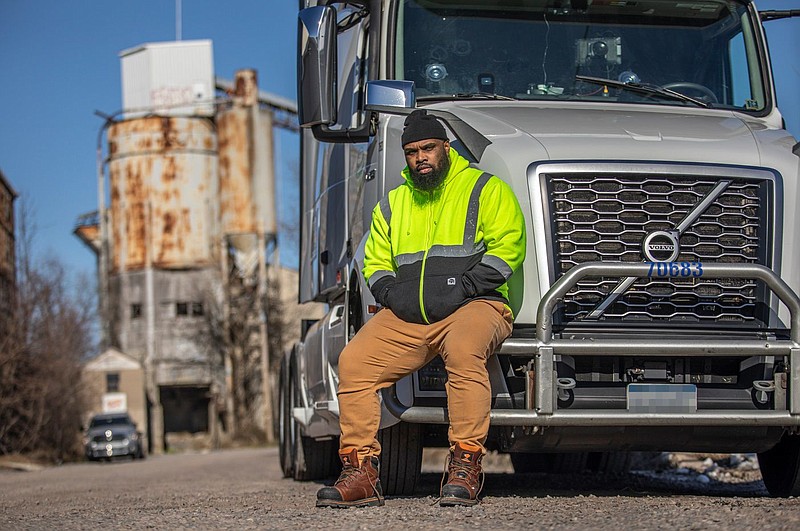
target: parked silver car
113 435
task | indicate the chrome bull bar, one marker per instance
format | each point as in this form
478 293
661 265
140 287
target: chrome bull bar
540 408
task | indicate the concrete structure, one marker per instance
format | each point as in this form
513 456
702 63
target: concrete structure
182 245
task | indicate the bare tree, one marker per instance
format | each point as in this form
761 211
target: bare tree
232 336
41 400
289 208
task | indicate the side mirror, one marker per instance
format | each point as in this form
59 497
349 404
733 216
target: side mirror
316 68
390 96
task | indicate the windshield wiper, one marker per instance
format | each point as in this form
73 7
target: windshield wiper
648 90
467 96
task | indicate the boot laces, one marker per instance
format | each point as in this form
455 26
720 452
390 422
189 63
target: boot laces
451 466
351 473
460 469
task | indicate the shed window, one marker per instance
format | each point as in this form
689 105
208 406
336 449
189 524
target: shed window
112 382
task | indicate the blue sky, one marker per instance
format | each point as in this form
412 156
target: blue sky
59 63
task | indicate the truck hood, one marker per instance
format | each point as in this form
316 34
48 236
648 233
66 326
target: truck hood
600 132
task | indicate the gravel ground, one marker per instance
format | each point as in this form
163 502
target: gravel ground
243 489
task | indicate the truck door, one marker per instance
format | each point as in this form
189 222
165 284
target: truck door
333 172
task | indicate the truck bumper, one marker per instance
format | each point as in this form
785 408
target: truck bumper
543 384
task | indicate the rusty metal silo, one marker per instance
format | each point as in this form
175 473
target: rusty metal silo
163 193
246 176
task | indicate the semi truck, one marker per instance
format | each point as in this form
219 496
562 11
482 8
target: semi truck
657 308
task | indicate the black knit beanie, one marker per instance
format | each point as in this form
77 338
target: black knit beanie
420 125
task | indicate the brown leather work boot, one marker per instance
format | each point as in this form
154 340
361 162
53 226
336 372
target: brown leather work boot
358 484
464 477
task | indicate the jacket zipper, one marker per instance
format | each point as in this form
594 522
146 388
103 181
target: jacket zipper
429 207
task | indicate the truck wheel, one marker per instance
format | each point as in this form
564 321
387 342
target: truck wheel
312 459
780 467
315 459
285 424
401 458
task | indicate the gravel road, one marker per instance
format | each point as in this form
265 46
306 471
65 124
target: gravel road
243 489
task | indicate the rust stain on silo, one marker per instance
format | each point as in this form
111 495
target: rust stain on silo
115 211
134 203
245 90
235 192
168 174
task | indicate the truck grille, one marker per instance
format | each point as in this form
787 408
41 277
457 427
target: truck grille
606 217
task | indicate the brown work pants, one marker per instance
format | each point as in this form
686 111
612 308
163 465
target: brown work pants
388 348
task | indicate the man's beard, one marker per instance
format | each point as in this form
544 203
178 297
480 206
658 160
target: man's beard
431 180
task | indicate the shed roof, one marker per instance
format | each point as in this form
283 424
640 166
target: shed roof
112 360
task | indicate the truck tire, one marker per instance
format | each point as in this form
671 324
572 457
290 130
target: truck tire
401 458
286 425
312 459
780 467
315 459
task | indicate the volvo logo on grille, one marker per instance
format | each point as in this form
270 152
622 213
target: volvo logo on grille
661 246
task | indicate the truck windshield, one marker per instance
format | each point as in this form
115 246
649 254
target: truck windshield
546 49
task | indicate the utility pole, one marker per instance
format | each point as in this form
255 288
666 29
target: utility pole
178 20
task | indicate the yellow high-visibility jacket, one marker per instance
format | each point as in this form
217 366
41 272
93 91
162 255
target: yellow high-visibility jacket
428 253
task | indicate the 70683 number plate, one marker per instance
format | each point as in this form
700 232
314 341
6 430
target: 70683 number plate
675 269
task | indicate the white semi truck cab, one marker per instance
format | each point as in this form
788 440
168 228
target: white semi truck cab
657 308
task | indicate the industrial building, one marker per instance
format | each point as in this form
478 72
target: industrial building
186 239
7 255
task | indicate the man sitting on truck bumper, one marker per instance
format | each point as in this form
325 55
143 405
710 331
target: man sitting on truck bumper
441 249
